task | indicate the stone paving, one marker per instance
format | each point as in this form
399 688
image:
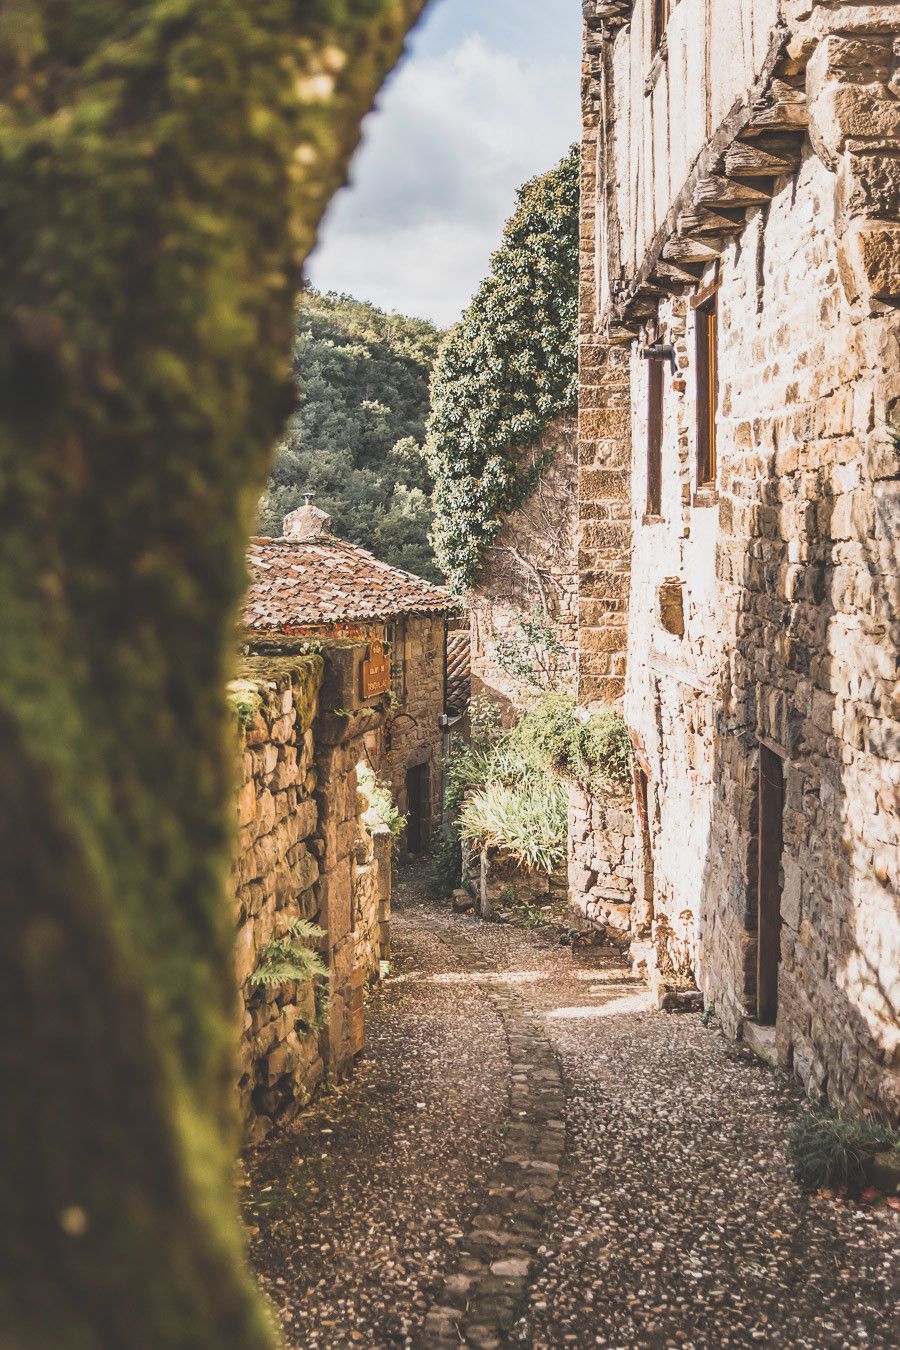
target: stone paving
530 1154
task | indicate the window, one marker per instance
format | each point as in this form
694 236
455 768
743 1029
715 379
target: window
661 11
768 902
397 638
655 376
706 325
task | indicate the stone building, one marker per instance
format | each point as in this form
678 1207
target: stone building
529 570
306 852
739 502
308 584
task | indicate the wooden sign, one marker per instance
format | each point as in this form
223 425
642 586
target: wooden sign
376 671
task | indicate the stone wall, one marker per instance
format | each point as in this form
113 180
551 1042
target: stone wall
601 862
766 612
530 568
413 731
304 852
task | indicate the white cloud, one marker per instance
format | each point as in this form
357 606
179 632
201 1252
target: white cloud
436 176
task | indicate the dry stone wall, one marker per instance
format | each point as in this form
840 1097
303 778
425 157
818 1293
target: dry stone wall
413 731
304 852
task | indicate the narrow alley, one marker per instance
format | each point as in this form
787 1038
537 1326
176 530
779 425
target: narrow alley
530 1154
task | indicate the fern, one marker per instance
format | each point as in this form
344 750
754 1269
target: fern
287 959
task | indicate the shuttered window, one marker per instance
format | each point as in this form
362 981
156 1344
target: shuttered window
655 377
706 319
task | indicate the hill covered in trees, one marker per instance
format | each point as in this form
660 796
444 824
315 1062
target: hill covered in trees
355 440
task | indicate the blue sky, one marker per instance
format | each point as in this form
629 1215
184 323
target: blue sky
487 97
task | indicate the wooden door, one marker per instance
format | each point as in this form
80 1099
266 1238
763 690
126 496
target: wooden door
768 909
417 809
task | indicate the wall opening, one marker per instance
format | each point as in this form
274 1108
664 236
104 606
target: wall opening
769 883
418 808
655 380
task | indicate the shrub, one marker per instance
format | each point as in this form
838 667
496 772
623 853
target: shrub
446 863
533 653
595 752
528 819
829 1149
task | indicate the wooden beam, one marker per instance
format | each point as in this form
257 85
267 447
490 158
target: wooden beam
690 251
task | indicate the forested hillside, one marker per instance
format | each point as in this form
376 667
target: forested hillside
354 441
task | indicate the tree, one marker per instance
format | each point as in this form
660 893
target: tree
163 168
355 439
507 368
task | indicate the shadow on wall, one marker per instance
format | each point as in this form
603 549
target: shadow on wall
813 688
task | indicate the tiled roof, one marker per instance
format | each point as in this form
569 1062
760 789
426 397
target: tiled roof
459 674
313 582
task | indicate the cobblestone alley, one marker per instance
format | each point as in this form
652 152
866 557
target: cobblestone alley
529 1154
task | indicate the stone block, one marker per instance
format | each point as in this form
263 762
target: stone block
869 258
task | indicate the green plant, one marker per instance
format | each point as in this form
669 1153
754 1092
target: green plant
527 818
830 1149
245 703
446 863
593 751
532 652
381 810
288 958
504 372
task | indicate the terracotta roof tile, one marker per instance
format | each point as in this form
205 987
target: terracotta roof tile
459 675
327 580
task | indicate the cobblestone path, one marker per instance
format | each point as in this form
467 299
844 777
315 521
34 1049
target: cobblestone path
531 1155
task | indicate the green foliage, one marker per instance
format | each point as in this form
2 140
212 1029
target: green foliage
245 704
527 818
382 810
509 787
163 168
445 873
288 958
504 799
504 372
355 440
532 652
829 1149
594 752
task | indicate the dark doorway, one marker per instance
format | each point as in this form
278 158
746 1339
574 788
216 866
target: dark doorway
768 909
418 808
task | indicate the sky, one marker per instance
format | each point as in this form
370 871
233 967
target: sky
487 97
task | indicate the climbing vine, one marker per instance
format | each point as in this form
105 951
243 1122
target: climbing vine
504 372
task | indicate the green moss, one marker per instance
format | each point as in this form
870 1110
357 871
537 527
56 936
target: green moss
156 208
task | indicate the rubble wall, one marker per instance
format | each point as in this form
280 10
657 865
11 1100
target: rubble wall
790 592
303 853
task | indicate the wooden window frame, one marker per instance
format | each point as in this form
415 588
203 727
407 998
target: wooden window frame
770 851
706 338
655 393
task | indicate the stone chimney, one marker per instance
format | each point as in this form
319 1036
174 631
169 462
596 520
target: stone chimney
307 522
